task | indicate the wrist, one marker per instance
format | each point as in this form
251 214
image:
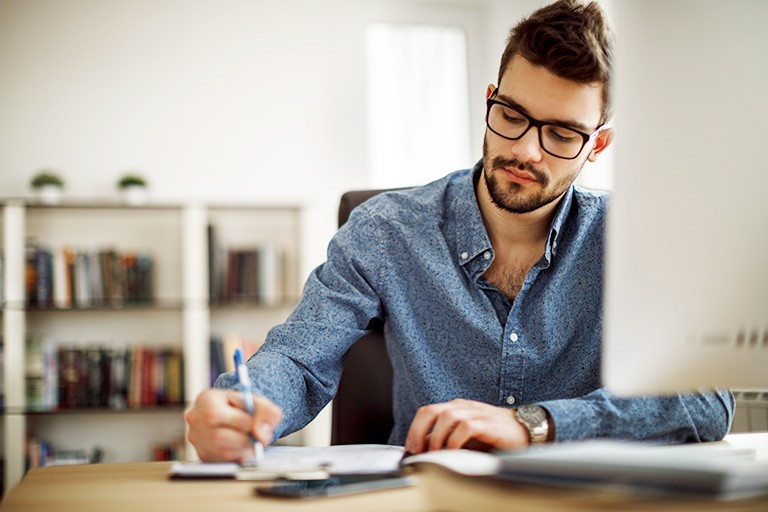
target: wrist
537 422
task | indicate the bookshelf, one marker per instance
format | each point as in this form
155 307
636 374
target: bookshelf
180 317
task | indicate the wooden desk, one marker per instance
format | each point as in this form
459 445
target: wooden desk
144 487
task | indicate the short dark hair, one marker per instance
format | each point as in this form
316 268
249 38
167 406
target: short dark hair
569 38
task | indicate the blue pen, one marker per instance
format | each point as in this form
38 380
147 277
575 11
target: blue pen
245 387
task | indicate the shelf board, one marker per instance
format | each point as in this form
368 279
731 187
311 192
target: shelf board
156 305
225 304
79 411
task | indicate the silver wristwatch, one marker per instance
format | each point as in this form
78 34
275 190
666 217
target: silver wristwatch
534 418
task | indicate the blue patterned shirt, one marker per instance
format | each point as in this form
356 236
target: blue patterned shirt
415 259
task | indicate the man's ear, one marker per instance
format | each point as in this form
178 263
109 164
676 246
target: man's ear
489 91
604 139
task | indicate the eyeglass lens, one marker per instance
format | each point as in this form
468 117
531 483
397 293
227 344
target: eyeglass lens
511 124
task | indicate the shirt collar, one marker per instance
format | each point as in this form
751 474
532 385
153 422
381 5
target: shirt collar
563 209
471 236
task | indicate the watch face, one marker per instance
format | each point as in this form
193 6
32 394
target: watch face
532 414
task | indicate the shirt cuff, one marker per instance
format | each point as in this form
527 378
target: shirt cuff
573 419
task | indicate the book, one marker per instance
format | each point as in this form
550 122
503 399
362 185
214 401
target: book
119 362
2 374
2 281
704 469
35 374
61 294
97 377
271 269
82 287
217 359
72 378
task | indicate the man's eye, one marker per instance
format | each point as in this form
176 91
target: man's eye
514 118
562 134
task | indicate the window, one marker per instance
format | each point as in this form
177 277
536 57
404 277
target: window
418 103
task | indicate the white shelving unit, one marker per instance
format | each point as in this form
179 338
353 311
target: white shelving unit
180 316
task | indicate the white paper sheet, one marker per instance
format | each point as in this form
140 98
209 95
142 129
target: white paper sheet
338 460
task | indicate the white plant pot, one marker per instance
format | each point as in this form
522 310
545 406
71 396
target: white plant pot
135 195
49 194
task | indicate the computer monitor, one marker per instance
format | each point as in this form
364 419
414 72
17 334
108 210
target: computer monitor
686 303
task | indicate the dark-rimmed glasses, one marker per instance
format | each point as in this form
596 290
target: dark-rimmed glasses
557 140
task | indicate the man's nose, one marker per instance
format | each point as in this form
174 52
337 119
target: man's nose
528 147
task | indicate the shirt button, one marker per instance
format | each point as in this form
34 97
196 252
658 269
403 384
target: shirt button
487 255
514 336
464 255
510 400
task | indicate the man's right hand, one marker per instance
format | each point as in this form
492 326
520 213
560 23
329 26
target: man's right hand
219 425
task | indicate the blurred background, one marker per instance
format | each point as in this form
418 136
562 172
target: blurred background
290 100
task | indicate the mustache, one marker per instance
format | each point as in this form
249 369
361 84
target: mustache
500 162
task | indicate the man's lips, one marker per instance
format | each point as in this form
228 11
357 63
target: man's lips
519 176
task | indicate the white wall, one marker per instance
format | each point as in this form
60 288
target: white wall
234 100
228 99
237 100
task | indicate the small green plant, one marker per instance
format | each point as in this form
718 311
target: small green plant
131 180
44 178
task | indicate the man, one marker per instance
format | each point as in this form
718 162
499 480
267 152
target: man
488 282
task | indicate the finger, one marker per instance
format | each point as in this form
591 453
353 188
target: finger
416 440
445 424
219 444
232 414
267 416
461 436
266 419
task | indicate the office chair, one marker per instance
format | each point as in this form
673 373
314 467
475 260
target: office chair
362 407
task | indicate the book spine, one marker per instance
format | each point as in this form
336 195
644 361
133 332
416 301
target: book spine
217 358
68 378
35 374
60 298
30 275
2 281
43 278
118 378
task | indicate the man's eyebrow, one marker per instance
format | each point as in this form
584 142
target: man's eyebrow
576 125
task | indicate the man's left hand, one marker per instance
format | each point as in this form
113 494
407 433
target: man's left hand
464 424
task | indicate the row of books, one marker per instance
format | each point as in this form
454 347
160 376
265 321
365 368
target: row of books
71 278
66 278
176 449
96 376
40 453
222 350
245 274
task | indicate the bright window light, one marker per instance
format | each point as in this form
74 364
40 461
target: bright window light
418 103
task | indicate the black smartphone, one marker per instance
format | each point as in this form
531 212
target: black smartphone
335 486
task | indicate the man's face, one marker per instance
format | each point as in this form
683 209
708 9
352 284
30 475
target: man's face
521 177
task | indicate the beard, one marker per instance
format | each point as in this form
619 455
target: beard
510 196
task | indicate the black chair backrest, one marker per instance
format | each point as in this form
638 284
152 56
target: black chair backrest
362 407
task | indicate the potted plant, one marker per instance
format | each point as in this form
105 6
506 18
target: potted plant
134 188
48 186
